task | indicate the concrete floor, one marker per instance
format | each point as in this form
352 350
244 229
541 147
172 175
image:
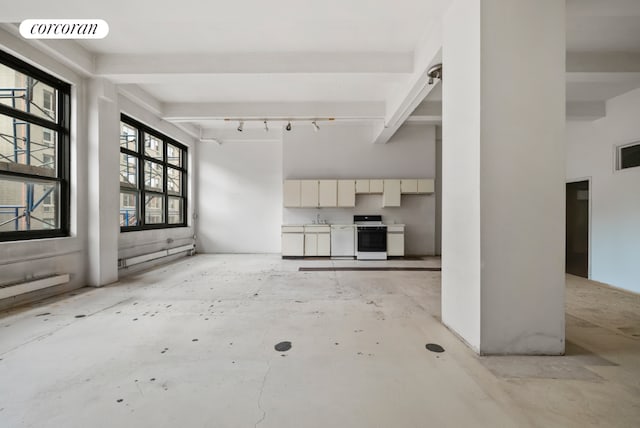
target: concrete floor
191 344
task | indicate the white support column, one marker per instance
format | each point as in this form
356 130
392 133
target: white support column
503 175
104 194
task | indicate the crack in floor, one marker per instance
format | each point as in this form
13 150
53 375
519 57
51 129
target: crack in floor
264 412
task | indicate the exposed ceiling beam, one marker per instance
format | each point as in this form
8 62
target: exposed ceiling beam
141 97
188 112
131 67
226 135
67 52
399 108
608 62
586 110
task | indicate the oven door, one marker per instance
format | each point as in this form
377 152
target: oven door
372 239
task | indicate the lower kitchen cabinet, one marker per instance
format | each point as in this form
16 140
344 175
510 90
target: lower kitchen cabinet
317 240
395 240
292 241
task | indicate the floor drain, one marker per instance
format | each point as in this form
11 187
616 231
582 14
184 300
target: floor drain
283 346
434 347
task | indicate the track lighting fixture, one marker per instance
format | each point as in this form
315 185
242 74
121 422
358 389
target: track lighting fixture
435 72
278 120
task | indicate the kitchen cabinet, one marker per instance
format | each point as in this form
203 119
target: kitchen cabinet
346 193
327 193
409 186
310 244
376 186
309 193
391 194
292 241
395 240
317 240
291 193
324 244
426 185
362 186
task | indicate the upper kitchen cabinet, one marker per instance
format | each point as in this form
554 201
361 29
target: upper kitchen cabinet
291 193
376 186
426 185
409 185
346 193
391 194
309 193
327 193
362 186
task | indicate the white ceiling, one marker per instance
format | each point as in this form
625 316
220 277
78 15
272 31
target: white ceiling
603 25
151 26
192 52
263 87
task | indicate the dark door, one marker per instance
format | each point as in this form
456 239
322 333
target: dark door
577 244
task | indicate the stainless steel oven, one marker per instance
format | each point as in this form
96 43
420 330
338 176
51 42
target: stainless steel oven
372 237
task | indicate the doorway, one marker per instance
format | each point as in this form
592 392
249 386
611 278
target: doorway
577 228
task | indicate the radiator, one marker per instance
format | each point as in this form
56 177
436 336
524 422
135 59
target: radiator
32 285
123 263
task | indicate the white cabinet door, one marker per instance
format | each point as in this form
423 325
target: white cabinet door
293 244
395 244
362 186
309 193
324 244
346 193
391 195
310 244
426 185
376 186
328 193
409 186
291 193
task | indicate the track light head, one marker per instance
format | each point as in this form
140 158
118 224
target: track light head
288 127
241 126
266 127
316 128
435 72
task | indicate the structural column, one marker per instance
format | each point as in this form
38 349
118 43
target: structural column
103 203
503 175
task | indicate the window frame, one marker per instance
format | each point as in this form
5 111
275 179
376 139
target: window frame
140 189
62 127
619 159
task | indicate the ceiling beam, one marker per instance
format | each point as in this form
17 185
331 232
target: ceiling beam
428 52
226 135
608 62
187 112
131 67
586 110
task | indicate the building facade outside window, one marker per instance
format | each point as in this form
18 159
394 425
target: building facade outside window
153 178
35 110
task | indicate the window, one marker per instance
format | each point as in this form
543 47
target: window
34 152
153 178
629 155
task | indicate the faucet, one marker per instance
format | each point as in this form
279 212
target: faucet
318 218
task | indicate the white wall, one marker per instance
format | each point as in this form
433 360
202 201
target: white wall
615 195
131 244
345 150
240 197
503 172
23 260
